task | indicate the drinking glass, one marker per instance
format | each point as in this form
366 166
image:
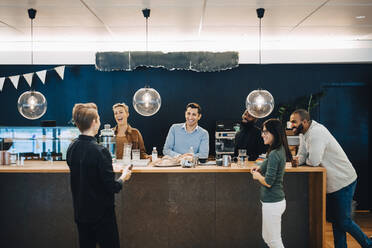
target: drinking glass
136 154
242 152
241 157
126 153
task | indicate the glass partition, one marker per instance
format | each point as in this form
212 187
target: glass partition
40 141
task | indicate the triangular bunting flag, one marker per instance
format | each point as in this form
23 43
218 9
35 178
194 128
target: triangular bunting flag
2 83
41 75
15 80
60 70
28 78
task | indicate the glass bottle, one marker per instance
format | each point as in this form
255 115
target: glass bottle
154 154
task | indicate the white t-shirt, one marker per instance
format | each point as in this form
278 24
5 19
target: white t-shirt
319 148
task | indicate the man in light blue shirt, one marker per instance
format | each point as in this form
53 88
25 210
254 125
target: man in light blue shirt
184 138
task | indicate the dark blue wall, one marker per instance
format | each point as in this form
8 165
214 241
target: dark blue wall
221 94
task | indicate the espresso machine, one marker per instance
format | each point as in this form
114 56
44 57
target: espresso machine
5 144
225 137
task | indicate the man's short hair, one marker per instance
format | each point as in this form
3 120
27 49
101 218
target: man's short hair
304 115
83 115
194 106
121 105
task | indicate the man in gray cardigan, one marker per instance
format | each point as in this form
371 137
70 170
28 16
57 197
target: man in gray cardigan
319 148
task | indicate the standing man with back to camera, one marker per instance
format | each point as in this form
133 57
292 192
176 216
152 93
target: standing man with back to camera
319 148
93 183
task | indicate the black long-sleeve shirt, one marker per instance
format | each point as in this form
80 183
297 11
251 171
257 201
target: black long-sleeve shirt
92 178
249 138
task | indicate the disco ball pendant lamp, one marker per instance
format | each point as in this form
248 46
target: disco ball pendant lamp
32 104
260 103
146 101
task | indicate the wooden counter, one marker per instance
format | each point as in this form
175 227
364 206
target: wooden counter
61 167
206 206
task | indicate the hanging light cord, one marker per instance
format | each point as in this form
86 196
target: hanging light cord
32 41
147 46
31 15
260 41
146 14
260 14
147 35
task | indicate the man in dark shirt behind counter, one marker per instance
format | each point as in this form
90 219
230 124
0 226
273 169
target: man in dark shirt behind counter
93 182
249 138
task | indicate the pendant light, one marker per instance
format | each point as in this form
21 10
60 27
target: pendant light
146 101
260 103
32 104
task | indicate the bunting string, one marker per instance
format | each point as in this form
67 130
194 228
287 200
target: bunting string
14 79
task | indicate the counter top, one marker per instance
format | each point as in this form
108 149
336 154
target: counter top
61 167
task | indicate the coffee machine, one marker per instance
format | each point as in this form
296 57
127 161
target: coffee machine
5 144
225 137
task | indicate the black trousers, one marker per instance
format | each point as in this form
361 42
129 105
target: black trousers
104 232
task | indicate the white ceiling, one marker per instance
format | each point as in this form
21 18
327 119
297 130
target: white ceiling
183 25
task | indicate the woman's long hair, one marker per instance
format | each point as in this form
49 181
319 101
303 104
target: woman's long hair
274 126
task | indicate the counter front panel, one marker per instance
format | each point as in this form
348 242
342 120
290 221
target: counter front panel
168 209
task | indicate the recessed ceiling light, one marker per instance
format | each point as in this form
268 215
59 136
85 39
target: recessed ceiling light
360 17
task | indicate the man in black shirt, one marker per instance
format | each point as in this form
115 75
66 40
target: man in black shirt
249 137
93 183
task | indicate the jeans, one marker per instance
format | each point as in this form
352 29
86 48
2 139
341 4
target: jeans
339 214
272 223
